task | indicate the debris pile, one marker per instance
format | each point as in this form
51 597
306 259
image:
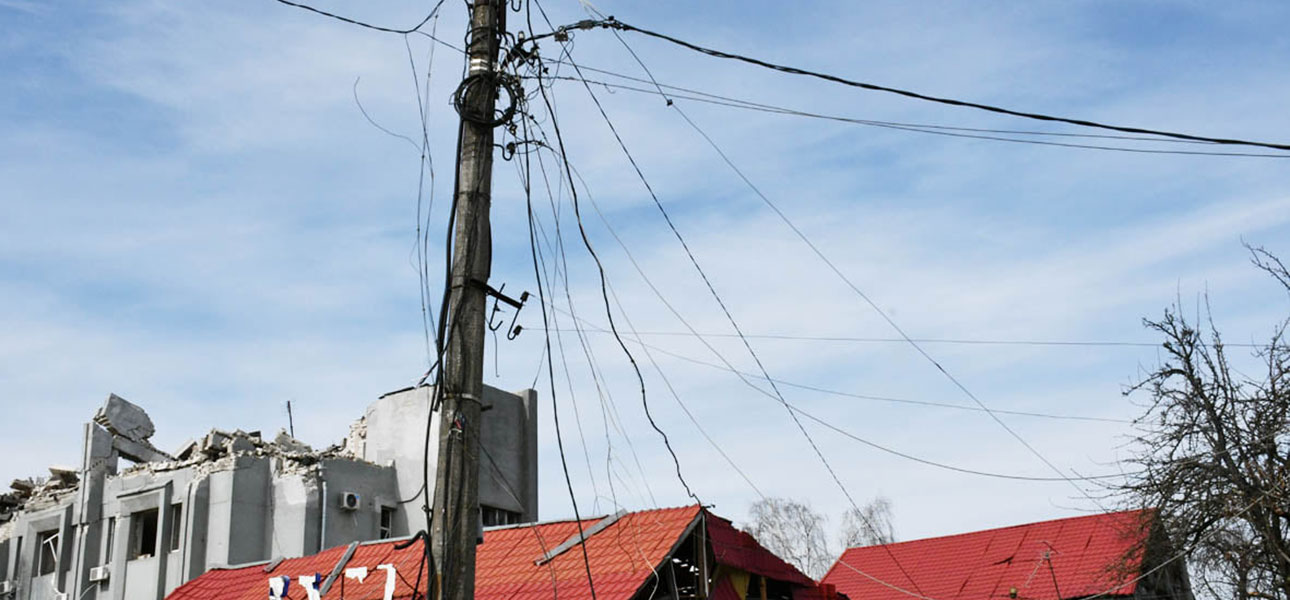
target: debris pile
215 451
37 492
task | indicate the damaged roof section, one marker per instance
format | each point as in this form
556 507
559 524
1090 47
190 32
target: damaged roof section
131 429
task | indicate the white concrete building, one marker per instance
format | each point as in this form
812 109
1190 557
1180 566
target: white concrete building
115 530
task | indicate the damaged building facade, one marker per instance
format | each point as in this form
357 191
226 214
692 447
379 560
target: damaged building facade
133 522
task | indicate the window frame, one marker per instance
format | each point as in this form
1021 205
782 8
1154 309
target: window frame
385 522
138 528
176 527
50 540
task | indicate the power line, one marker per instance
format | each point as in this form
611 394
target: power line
947 467
824 390
646 348
891 322
608 407
855 437
780 109
609 313
883 340
941 130
555 409
345 19
611 23
712 290
524 170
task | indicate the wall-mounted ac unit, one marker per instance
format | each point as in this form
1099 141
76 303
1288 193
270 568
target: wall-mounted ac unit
6 587
60 596
102 573
350 501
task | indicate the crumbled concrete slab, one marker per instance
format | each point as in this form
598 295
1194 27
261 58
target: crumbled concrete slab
64 475
124 418
186 449
140 451
239 445
286 443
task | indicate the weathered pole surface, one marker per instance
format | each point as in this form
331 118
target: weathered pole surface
456 517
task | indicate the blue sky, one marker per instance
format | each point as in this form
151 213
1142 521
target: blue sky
197 216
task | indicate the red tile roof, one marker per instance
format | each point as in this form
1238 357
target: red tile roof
738 549
1083 553
622 557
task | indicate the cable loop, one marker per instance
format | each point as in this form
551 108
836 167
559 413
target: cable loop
489 80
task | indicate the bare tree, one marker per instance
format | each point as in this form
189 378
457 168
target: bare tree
797 534
1214 451
794 532
868 525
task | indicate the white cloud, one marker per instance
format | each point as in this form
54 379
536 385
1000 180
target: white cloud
243 237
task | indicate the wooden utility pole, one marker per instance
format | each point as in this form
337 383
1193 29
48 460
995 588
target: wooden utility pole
456 518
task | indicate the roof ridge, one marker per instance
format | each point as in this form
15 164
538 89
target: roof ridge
592 518
1005 528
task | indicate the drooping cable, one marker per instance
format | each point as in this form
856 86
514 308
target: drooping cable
604 292
814 248
712 291
610 414
555 409
345 19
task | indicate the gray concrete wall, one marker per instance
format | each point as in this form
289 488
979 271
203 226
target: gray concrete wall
376 487
396 437
294 524
508 468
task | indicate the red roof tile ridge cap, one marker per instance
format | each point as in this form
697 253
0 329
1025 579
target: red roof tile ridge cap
239 566
391 540
1095 516
592 518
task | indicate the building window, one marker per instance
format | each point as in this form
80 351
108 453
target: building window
143 534
17 561
493 516
111 539
386 530
47 555
176 525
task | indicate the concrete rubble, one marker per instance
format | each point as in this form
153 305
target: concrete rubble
131 429
35 492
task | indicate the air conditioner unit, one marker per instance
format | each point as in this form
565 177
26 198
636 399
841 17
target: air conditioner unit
60 596
102 573
350 501
6 587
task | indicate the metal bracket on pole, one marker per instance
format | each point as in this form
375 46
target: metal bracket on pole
513 331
